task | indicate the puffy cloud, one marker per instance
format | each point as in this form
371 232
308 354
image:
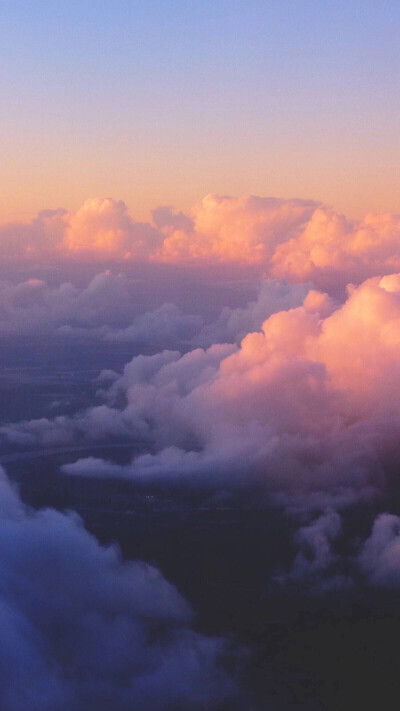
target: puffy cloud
234 229
103 227
233 324
107 308
380 557
309 405
320 565
35 307
164 327
112 307
315 543
317 568
296 240
332 251
43 236
94 425
84 630
106 422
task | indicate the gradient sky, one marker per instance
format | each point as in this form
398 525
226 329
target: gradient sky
163 101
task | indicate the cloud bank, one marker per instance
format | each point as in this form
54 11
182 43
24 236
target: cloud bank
331 560
111 307
277 379
83 630
308 405
296 240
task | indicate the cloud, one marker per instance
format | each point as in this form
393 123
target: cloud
332 250
319 569
308 406
103 227
303 396
330 559
112 307
315 543
33 306
291 391
380 557
31 241
164 327
84 630
295 240
224 229
107 308
233 324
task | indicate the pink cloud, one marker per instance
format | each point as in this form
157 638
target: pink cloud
296 240
309 404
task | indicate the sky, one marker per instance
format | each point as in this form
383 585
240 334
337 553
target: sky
199 355
164 102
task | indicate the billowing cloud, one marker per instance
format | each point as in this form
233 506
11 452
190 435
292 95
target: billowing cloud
330 559
164 327
103 227
309 405
233 324
314 541
82 630
108 308
33 306
111 307
332 250
290 392
243 229
296 240
380 557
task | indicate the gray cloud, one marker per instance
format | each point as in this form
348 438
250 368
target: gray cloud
83 630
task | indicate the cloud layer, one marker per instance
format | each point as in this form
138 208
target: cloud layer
297 240
111 307
308 405
263 346
83 630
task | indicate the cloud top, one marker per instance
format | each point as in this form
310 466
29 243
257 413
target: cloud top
308 404
297 240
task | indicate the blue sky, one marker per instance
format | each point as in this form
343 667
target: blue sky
166 101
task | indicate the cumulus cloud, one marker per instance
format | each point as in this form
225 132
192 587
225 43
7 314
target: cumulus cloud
31 241
107 308
332 250
292 390
81 629
164 327
233 324
111 307
304 393
33 306
318 568
308 405
380 557
321 565
243 229
296 240
315 543
103 227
